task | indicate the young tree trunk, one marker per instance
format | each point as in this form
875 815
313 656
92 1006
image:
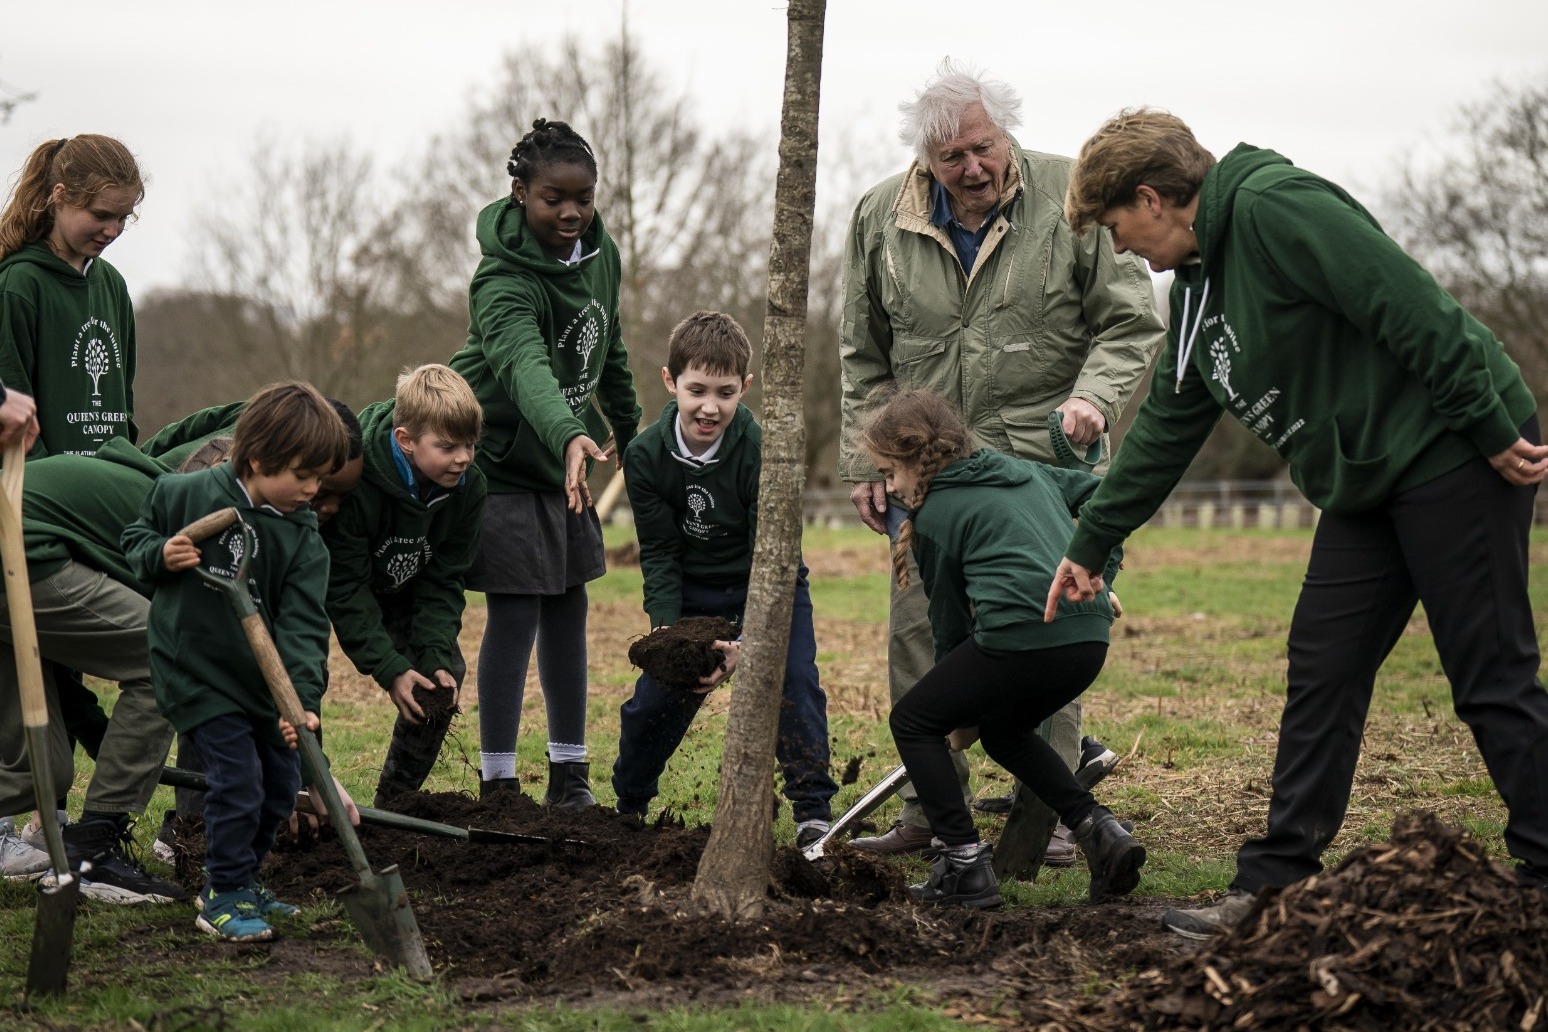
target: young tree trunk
733 875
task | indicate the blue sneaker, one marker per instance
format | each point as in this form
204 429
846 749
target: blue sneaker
232 916
270 905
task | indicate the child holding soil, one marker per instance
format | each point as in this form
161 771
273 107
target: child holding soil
987 531
544 352
400 548
207 679
692 479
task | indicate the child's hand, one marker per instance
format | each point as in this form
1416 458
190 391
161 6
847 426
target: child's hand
402 694
444 679
179 553
961 738
292 740
1112 600
321 808
730 652
577 494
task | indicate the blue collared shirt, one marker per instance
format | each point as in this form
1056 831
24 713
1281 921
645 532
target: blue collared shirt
966 241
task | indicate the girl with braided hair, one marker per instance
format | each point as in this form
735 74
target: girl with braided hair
987 531
66 322
545 356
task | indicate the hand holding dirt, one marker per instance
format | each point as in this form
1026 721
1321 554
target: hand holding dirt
682 655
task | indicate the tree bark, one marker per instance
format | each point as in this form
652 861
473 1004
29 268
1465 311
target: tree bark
733 875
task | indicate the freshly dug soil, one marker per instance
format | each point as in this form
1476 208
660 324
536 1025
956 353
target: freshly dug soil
438 702
1424 933
679 655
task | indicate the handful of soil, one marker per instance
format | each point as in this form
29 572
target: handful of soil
437 704
679 655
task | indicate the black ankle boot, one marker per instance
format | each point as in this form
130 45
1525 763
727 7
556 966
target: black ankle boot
963 876
498 785
1112 855
569 786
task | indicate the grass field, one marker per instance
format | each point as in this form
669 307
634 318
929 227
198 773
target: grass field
1190 699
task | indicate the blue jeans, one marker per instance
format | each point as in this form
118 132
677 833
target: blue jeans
252 788
655 719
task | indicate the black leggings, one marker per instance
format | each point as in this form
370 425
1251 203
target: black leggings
1006 695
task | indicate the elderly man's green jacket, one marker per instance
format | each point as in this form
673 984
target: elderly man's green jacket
1044 315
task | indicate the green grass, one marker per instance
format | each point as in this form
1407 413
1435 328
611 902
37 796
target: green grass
1191 697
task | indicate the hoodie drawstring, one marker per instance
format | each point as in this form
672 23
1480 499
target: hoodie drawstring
1185 352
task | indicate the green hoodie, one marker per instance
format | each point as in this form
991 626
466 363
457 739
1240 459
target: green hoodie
67 339
544 344
692 520
385 540
988 538
176 442
200 660
1317 332
76 507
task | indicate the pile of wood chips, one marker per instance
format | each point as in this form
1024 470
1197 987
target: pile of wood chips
1420 933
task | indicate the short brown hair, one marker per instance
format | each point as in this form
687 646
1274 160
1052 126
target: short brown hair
211 453
434 398
1137 146
713 341
288 424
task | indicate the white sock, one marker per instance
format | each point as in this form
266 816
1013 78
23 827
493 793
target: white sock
559 752
498 765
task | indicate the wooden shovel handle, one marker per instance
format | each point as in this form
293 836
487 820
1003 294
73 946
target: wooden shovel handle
18 594
213 523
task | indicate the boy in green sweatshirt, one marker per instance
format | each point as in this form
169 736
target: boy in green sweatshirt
207 679
400 548
693 486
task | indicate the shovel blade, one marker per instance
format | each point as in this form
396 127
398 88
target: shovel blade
487 835
379 909
53 934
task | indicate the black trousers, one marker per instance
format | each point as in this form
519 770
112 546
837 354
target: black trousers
1006 695
1459 545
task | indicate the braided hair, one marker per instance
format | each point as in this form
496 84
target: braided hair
914 427
549 143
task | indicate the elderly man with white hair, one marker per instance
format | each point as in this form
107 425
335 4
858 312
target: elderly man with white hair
962 275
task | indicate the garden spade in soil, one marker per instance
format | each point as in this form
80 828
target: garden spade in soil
53 929
378 906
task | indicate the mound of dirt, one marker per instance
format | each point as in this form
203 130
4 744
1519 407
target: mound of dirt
1422 932
679 655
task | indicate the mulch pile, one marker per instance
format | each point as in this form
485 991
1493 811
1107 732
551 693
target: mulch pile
1422 932
679 655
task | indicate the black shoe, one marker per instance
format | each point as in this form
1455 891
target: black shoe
498 785
808 832
569 786
963 876
1112 855
1203 922
101 848
994 804
1096 762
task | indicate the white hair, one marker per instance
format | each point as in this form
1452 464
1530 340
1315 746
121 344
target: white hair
936 113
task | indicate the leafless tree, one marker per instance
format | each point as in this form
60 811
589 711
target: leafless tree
734 871
1478 218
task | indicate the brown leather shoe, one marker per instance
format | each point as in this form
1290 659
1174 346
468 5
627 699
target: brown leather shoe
900 840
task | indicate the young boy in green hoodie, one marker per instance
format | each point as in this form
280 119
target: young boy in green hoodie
207 679
693 485
400 547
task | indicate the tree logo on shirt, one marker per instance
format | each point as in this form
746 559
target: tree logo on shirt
401 558
402 566
96 351
585 331
700 501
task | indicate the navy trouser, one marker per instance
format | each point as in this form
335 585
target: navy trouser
414 748
1007 696
654 720
251 790
1459 545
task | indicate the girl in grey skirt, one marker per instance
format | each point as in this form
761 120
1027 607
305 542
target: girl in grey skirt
544 355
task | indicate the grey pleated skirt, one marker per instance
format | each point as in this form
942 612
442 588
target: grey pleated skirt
532 544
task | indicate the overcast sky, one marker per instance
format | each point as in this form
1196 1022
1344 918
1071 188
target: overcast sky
1343 87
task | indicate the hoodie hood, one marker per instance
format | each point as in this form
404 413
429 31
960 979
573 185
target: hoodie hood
1218 194
41 257
984 468
504 237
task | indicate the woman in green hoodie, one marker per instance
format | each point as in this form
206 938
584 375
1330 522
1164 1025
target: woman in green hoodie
66 323
987 530
545 356
1401 417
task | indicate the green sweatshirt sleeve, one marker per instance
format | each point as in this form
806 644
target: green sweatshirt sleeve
194 427
615 389
1118 303
1171 426
440 590
1333 253
143 540
518 357
351 605
300 622
661 545
865 343
951 619
18 346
